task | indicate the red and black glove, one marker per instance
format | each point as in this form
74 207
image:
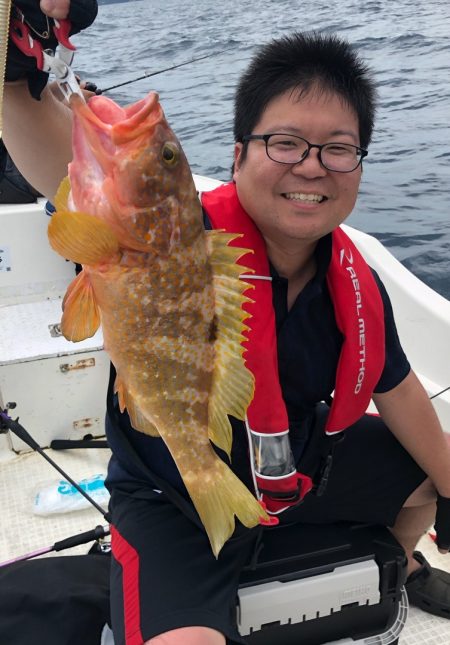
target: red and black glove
82 13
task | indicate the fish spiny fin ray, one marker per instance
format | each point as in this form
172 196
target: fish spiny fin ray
138 420
219 499
232 383
81 316
82 238
62 195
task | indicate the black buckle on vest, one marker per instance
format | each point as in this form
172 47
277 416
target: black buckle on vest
325 471
283 496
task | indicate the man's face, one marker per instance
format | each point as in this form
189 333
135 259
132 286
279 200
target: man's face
274 194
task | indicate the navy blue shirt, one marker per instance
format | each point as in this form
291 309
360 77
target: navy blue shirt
309 345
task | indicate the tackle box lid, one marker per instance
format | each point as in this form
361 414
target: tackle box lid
30 331
301 550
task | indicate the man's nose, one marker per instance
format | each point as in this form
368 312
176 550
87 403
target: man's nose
310 166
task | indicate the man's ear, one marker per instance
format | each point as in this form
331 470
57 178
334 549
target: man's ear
237 158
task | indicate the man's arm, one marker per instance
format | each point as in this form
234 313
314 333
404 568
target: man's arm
38 136
409 414
38 133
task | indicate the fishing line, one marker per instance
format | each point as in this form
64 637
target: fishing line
167 69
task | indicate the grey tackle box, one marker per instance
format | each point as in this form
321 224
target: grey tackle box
315 584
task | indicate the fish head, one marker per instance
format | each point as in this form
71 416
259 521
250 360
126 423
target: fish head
129 169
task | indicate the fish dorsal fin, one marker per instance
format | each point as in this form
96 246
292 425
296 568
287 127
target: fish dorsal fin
62 195
138 421
82 238
232 383
81 316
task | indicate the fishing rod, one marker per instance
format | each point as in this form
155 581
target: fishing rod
75 540
8 424
167 69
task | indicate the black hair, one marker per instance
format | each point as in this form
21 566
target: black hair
303 62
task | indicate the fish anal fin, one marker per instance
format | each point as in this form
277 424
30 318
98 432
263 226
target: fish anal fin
232 383
82 238
81 316
137 418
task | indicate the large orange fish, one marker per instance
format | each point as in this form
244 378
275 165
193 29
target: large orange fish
167 294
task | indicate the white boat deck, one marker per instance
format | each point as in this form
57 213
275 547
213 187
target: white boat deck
22 532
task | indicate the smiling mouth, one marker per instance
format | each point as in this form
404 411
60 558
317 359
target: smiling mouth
305 198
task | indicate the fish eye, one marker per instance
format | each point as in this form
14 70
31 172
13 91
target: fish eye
170 153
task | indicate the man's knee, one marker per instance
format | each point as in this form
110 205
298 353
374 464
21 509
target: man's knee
426 492
189 636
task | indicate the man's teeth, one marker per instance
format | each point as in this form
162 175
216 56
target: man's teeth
302 197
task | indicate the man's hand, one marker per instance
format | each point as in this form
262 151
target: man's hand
58 9
81 14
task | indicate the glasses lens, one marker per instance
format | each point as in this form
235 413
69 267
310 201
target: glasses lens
341 157
286 148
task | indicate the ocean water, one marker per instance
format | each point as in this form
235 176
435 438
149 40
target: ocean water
405 193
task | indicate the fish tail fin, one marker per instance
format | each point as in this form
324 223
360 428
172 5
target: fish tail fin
218 498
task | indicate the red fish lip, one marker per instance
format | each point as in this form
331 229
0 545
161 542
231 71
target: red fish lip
107 126
142 117
121 125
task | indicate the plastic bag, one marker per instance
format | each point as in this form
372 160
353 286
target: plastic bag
59 496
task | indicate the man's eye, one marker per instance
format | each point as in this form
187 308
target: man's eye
336 149
285 143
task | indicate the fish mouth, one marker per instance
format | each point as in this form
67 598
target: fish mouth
107 125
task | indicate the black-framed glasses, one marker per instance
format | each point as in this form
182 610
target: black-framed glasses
290 149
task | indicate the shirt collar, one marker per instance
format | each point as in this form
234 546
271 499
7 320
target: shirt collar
322 254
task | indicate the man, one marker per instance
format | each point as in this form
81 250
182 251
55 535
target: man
304 118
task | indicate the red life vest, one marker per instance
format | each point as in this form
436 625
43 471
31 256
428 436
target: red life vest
359 316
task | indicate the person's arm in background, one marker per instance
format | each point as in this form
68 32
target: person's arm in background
38 136
37 133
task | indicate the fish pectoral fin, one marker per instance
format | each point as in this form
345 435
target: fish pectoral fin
81 316
218 496
137 418
232 383
62 195
82 238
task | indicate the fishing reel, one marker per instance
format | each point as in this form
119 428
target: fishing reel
5 419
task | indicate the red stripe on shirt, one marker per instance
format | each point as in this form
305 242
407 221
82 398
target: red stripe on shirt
128 558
